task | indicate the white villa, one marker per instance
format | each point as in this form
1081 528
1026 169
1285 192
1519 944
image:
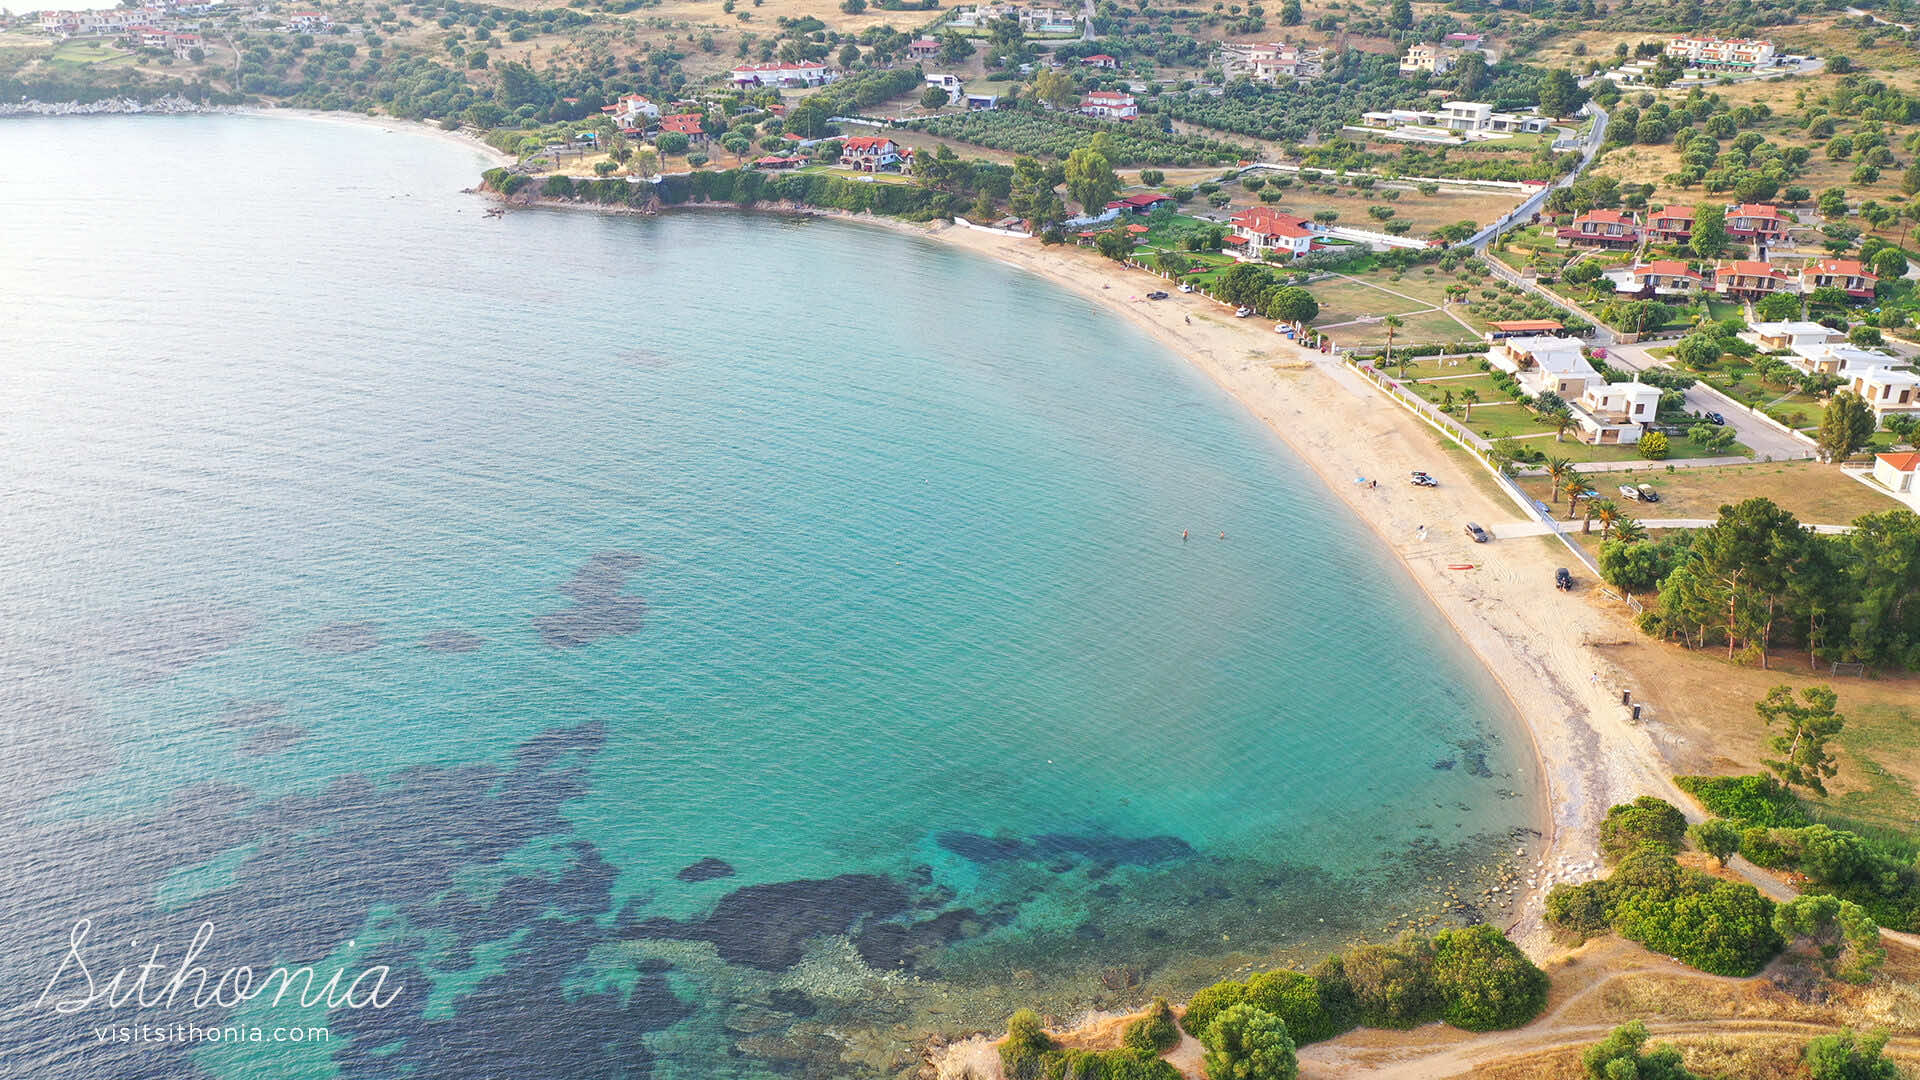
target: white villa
1432 59
1721 53
1042 20
1270 62
1886 389
1820 350
1608 413
1463 117
1770 336
779 74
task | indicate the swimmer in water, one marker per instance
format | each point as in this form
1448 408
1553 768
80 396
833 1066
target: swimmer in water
1183 536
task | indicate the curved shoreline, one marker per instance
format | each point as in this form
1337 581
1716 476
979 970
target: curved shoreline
1533 642
1536 643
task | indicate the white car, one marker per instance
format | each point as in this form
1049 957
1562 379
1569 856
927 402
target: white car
1186 286
1242 313
1629 491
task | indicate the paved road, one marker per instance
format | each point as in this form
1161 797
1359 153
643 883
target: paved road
1527 209
1509 530
1765 439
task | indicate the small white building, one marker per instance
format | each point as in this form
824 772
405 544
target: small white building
781 74
1432 59
1270 62
1615 412
1886 390
1110 105
1896 472
1772 336
1608 413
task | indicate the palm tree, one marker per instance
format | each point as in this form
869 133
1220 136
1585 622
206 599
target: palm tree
1608 514
1629 529
1573 487
1469 396
1558 469
1561 422
1393 323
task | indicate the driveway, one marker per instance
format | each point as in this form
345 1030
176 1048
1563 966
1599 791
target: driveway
1766 440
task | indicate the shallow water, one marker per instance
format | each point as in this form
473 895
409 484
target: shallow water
685 647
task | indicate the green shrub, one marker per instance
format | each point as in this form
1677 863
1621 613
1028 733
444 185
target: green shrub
1154 1033
1393 984
1208 1004
1485 982
1296 999
1716 926
1248 1043
1618 1056
1746 800
1717 838
1646 822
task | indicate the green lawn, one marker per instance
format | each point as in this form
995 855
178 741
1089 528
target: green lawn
78 52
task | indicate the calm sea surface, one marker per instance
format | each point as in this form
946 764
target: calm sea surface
710 646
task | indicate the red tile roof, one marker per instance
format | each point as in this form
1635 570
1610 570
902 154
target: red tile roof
1270 222
1138 229
862 144
1522 325
1842 267
1759 210
1907 462
1749 266
1609 217
1675 212
1097 58
1666 267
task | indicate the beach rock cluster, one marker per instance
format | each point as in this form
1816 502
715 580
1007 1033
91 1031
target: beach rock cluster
107 106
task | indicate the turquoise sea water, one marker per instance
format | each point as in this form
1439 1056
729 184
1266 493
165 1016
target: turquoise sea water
699 646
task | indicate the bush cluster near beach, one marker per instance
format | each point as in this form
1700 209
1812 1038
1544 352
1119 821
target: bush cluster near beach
1472 978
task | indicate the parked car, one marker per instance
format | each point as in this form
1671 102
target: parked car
1647 494
1241 313
1186 286
1157 294
1562 580
1715 418
1628 491
1421 479
1479 534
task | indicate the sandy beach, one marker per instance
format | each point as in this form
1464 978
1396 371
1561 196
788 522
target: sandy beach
1539 643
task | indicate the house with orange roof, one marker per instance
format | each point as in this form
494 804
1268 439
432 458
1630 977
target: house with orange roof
1100 60
923 48
1262 229
1745 279
687 124
1896 472
1601 228
1671 225
871 153
1847 275
1757 222
1110 105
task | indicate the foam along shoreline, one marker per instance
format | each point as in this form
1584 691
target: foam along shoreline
1536 642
